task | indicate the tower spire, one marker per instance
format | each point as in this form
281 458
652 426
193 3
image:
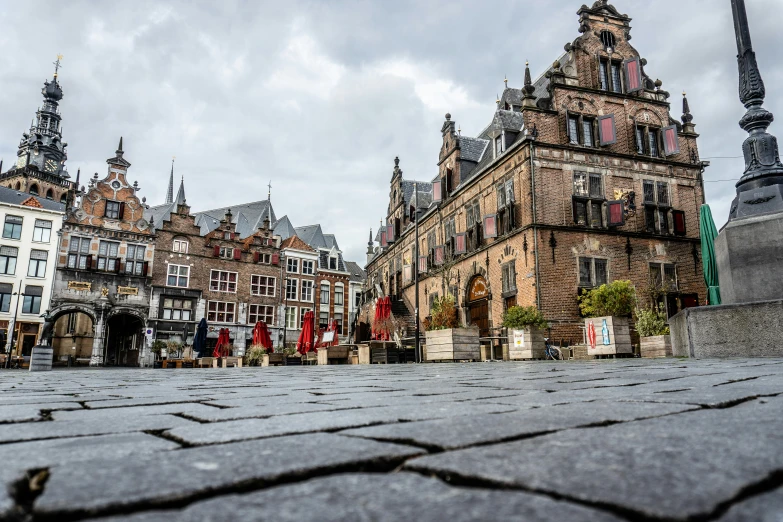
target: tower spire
528 89
170 192
181 192
269 192
762 156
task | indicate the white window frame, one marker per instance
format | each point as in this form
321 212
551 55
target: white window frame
256 286
228 282
292 261
43 231
178 276
310 270
325 284
180 246
181 309
216 312
294 283
39 264
302 311
290 318
307 284
261 316
342 294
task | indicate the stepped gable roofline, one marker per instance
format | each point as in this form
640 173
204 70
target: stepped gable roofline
603 8
15 197
295 243
250 214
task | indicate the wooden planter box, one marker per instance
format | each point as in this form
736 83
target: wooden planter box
275 359
458 344
526 344
615 340
658 346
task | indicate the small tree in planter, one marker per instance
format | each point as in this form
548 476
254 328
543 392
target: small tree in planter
653 332
525 332
173 348
447 340
255 356
608 309
157 348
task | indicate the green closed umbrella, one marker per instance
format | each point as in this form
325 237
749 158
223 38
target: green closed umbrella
708 235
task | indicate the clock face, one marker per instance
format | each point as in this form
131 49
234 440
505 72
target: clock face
21 162
51 165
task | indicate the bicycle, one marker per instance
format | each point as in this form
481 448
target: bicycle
551 352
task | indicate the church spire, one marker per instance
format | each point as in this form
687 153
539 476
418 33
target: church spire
181 192
170 192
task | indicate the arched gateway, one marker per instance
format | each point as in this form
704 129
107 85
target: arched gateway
478 304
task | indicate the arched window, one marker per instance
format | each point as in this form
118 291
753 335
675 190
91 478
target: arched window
180 245
49 194
607 38
18 185
34 189
64 198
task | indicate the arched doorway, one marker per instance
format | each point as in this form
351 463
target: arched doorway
125 335
73 337
478 304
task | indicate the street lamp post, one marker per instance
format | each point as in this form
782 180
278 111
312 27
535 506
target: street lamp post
284 298
416 271
19 295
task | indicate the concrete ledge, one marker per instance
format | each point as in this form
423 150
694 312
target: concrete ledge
738 330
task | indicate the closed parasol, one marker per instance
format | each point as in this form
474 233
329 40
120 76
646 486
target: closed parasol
222 346
306 340
261 337
200 339
708 235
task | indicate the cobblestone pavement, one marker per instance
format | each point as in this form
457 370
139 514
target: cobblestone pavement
602 441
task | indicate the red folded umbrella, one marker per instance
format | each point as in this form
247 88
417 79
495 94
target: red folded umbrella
306 340
221 348
333 328
261 337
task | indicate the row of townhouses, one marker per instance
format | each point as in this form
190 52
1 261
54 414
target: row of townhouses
114 274
581 177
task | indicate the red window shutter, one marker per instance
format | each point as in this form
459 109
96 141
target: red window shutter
422 264
679 222
145 268
256 257
275 259
440 255
490 226
616 213
671 142
122 211
237 254
607 130
384 243
437 195
390 233
461 243
216 251
633 75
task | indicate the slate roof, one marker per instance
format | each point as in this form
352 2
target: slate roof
283 228
323 261
248 217
159 213
357 274
471 149
14 197
312 235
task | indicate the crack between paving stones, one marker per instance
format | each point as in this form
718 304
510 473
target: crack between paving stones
740 380
771 482
379 465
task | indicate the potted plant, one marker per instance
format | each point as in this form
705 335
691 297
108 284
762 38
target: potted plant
608 309
157 348
525 332
447 339
173 348
655 340
257 356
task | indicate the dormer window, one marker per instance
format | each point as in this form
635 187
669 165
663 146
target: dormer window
498 146
332 263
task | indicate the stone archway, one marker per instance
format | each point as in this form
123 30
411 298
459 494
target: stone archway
123 337
73 333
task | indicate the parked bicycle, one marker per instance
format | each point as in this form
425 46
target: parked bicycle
552 352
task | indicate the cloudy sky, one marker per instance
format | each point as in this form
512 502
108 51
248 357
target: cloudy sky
319 97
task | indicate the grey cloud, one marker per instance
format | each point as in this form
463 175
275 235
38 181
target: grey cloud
320 97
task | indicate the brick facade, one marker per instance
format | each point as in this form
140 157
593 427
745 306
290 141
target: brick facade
558 192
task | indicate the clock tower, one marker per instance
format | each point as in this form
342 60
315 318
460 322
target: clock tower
39 168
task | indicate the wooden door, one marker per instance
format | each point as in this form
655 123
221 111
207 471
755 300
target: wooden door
479 316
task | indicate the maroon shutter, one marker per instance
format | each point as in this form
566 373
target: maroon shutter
384 243
437 196
145 268
256 257
616 213
422 264
275 259
490 226
216 251
607 130
122 211
390 233
461 241
671 142
679 222
440 256
237 254
633 75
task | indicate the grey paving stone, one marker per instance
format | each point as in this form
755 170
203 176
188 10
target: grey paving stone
463 431
380 498
215 433
190 408
767 507
97 486
56 429
676 466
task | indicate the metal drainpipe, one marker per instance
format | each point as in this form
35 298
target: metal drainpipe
535 229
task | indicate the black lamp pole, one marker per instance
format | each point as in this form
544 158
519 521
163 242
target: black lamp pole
19 295
283 297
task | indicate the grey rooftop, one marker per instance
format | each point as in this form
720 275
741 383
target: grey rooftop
600 441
